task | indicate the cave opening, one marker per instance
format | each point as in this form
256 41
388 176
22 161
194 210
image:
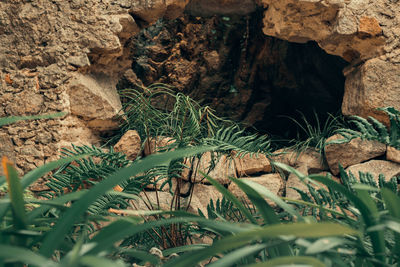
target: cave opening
229 64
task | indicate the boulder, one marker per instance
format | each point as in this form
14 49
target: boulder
95 99
376 167
248 165
272 181
294 182
152 200
129 144
202 194
159 143
222 8
183 190
218 167
348 34
309 159
393 154
373 85
353 152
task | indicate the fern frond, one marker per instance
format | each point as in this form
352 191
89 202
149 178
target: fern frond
234 139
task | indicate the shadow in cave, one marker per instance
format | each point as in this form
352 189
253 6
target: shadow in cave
307 81
230 65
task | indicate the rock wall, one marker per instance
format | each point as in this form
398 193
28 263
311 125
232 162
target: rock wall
65 56
69 56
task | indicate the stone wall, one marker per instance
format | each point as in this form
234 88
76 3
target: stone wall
69 55
65 56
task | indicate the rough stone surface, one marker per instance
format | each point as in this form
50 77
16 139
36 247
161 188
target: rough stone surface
343 28
376 167
294 182
225 8
202 194
152 200
248 165
309 159
272 181
95 99
374 84
160 143
393 154
66 56
218 167
354 152
129 144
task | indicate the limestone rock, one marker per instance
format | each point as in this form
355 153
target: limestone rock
353 152
393 154
337 26
221 167
376 167
151 10
129 144
309 159
272 181
202 194
373 85
184 188
224 8
95 100
248 165
159 143
294 182
152 200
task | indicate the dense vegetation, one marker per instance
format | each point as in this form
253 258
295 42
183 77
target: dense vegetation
86 219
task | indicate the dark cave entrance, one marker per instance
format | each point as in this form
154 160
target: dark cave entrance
305 81
229 64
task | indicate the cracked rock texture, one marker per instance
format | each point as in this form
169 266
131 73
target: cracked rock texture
65 56
69 56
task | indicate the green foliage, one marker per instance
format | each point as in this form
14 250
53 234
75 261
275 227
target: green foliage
372 129
86 172
316 135
14 119
360 205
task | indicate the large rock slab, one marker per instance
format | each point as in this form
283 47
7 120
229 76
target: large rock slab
376 167
202 194
272 181
248 165
129 144
337 26
218 167
224 8
393 154
95 100
375 84
157 144
353 152
310 159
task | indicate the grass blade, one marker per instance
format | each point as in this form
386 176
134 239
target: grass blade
314 230
9 120
16 194
292 261
53 240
